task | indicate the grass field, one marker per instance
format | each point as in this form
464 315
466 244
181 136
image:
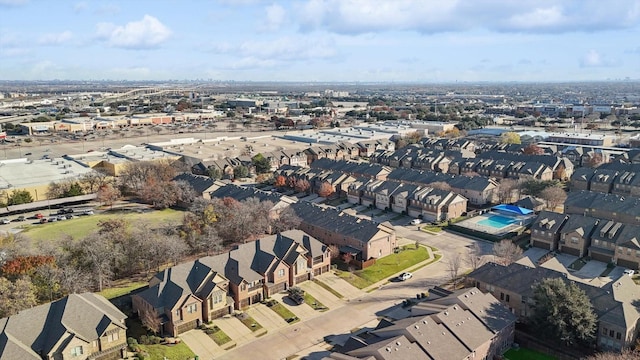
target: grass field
385 267
174 352
526 354
122 289
81 226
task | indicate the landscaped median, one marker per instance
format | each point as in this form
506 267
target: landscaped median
252 324
218 336
387 266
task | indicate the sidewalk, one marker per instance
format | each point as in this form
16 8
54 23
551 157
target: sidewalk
432 259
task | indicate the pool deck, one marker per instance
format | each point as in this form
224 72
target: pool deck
474 223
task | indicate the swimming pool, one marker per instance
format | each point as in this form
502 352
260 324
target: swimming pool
497 221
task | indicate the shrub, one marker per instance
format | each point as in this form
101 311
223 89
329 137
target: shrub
144 340
133 344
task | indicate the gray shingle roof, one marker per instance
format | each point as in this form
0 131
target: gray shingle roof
38 330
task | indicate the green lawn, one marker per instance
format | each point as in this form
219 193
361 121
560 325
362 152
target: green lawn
526 354
122 289
249 322
386 266
219 336
315 304
81 226
431 228
174 352
283 311
328 288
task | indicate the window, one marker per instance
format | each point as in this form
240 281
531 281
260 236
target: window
501 296
524 299
281 273
604 331
507 298
191 308
611 332
113 337
178 312
618 336
76 351
574 240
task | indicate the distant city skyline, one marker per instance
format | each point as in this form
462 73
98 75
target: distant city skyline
321 40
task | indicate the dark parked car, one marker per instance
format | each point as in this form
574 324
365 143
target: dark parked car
296 295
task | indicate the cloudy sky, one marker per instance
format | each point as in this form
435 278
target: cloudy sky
321 40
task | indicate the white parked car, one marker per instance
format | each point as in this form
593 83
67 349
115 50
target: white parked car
5 221
416 221
405 276
629 272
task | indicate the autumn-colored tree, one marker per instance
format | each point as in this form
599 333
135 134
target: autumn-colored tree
280 181
108 194
510 137
25 265
302 185
533 149
326 189
291 182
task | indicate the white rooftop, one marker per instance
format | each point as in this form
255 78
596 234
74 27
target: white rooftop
21 173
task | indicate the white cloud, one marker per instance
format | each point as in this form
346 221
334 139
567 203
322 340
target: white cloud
275 16
594 59
55 38
435 16
143 34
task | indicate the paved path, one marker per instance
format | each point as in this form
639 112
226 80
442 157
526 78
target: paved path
201 344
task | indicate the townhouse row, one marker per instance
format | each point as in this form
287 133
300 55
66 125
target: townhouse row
478 190
615 178
361 238
614 303
184 296
277 159
601 239
462 325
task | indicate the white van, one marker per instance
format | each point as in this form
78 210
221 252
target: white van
416 221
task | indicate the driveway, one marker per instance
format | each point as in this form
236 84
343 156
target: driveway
302 311
201 344
324 296
566 260
266 317
534 254
591 269
235 329
343 288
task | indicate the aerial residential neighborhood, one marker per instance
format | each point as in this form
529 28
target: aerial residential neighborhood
320 180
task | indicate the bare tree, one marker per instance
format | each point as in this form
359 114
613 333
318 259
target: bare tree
627 354
16 296
506 251
474 256
440 185
553 196
453 267
506 189
150 320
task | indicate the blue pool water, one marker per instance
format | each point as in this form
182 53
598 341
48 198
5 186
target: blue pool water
497 221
